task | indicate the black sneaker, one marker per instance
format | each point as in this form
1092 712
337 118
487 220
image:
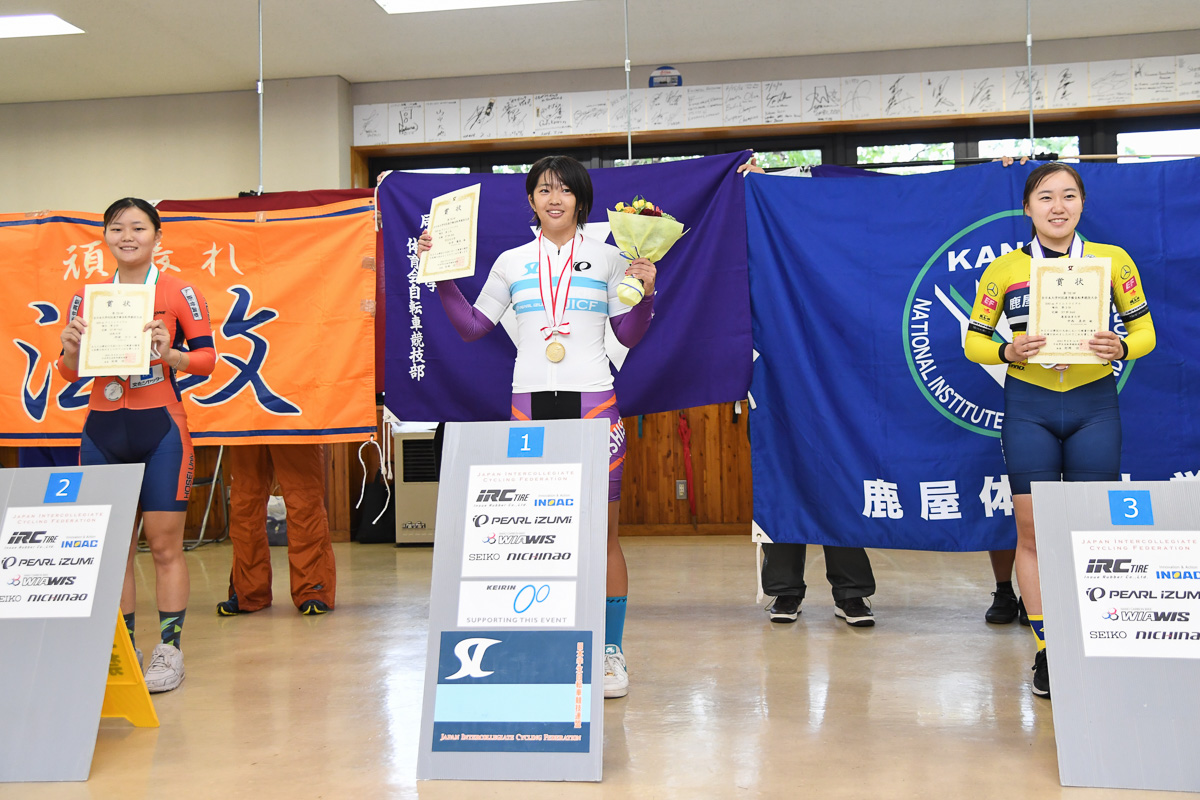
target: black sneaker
1041 675
785 608
1004 608
311 607
229 608
1022 617
855 611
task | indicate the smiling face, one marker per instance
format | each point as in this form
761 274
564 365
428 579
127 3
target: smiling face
1055 206
131 236
554 203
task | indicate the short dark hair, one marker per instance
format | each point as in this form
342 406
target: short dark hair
571 174
133 202
1040 174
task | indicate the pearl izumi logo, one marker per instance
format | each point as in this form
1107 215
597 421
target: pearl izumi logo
938 311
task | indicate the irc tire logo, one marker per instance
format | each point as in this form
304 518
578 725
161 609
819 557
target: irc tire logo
937 312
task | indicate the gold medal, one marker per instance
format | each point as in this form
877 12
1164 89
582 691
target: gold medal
113 391
555 352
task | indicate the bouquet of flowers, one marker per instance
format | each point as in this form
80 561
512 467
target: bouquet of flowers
641 230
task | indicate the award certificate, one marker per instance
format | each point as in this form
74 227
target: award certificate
114 342
1069 301
453 223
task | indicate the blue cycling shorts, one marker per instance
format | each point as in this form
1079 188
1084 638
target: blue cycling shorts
156 437
1061 436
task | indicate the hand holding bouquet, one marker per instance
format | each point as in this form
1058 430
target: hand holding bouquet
641 230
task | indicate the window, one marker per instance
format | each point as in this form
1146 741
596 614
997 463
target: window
625 162
1064 146
789 158
900 153
1147 144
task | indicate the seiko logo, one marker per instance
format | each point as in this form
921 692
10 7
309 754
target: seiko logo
10 598
469 653
555 501
1106 634
483 557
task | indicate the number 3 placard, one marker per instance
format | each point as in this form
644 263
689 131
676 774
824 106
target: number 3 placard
1130 507
63 487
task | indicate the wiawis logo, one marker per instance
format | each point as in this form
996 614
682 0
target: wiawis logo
938 311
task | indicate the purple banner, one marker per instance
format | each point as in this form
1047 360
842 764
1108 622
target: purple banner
697 351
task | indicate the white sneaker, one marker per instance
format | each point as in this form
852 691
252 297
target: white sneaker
166 669
616 677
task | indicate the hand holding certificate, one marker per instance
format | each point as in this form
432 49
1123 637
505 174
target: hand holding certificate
115 340
453 223
1069 301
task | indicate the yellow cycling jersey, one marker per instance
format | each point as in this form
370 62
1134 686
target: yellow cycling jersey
1004 289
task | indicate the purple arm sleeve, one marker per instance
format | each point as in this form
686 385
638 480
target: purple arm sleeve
469 321
631 326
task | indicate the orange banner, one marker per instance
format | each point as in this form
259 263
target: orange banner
291 298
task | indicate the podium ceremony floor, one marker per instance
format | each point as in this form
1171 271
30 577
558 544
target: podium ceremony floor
931 702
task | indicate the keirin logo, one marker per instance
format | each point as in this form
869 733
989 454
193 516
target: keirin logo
469 653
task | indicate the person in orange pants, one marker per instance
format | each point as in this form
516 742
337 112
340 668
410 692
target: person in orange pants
300 470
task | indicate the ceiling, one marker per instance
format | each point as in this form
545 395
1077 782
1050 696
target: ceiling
152 47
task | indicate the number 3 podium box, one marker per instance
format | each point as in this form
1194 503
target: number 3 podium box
514 676
1120 571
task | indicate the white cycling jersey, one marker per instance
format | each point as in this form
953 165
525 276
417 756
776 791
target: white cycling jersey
598 271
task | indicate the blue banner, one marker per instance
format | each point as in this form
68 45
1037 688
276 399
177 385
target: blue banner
871 427
696 352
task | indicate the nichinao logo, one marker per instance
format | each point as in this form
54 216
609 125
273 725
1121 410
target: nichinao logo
936 315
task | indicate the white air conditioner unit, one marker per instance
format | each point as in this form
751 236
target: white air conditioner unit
416 487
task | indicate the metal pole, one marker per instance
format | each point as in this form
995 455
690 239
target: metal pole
1029 63
260 98
628 92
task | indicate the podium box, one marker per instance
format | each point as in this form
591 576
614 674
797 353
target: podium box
1120 573
514 678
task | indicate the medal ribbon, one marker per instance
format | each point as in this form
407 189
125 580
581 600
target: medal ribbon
1074 251
554 315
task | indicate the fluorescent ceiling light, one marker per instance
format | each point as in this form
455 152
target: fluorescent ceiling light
420 6
35 25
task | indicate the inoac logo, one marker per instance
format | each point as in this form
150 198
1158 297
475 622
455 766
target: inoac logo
938 311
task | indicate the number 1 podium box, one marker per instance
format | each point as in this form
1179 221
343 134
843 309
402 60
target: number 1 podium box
1120 573
514 674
